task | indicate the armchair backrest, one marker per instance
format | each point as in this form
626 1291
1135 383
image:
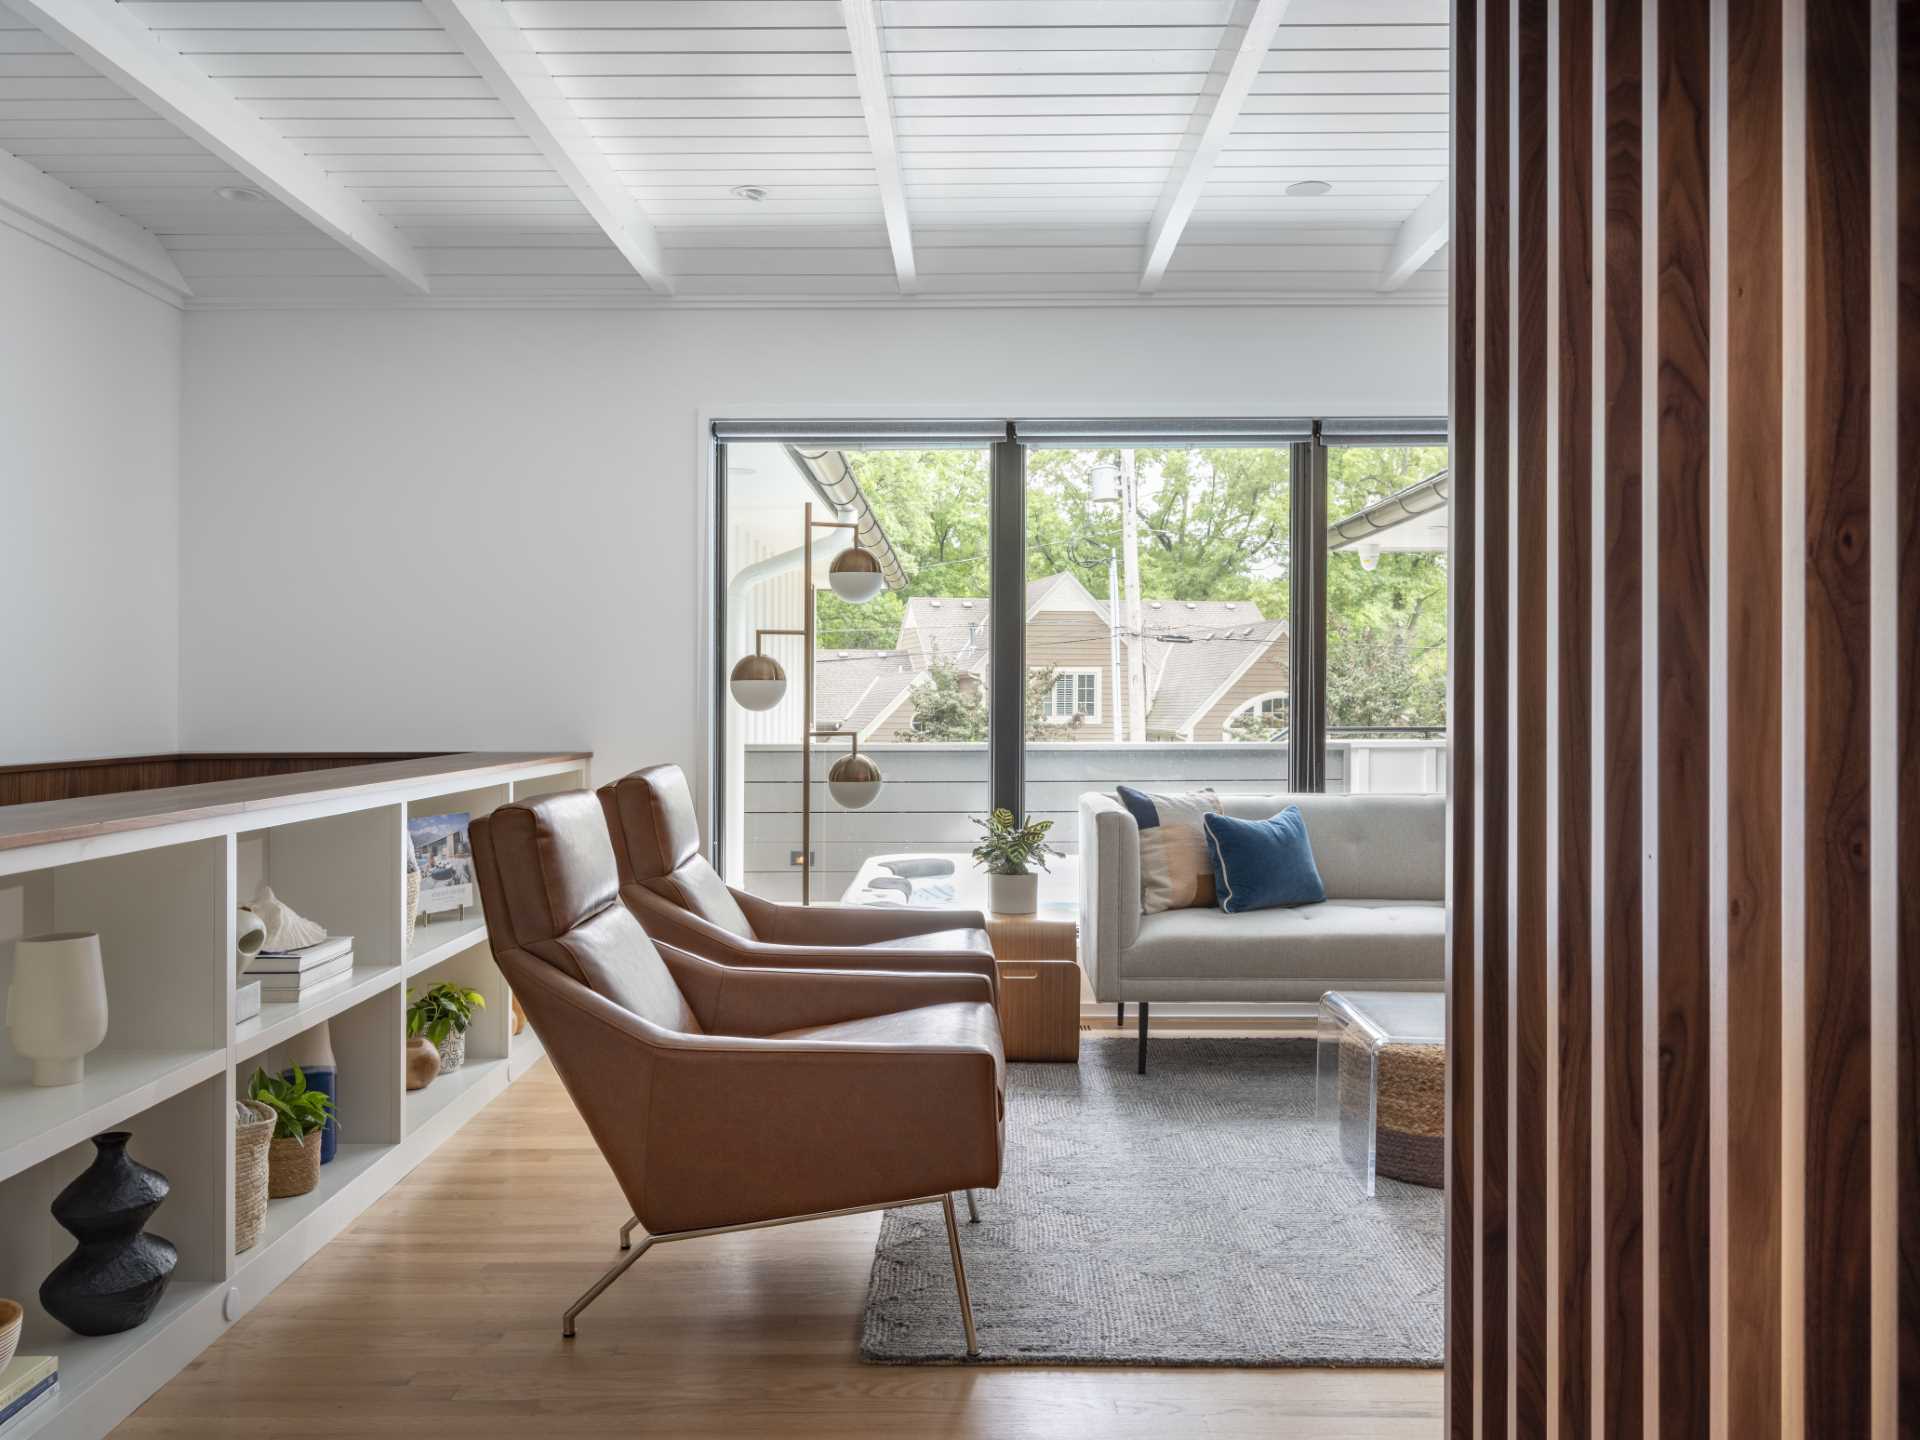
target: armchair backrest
656 842
551 896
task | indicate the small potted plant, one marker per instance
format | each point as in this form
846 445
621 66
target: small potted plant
299 1116
1006 850
442 1014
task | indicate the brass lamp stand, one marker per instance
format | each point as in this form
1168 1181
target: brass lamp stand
759 683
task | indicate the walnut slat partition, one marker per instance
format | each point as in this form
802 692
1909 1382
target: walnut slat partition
1684 1093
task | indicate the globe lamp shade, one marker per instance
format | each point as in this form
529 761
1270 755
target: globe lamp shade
757 682
855 575
854 782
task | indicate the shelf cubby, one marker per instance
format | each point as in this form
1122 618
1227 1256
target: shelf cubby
161 921
442 934
180 1137
341 871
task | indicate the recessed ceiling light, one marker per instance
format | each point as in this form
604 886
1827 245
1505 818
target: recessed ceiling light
755 193
241 194
1308 187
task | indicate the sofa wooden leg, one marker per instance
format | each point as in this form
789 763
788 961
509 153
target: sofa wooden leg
1120 1015
1143 1037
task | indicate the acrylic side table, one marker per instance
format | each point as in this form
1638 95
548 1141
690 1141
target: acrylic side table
1380 1082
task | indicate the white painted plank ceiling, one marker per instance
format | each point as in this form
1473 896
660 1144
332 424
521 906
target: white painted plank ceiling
1035 140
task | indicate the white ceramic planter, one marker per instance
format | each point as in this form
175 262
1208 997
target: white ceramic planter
1013 894
57 1004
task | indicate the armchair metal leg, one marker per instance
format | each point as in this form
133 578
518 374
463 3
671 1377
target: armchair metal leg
1143 1037
618 1269
626 1233
960 1275
973 1210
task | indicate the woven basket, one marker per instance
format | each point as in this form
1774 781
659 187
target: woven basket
413 900
252 1132
453 1051
293 1166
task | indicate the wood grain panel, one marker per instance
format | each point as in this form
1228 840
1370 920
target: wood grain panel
1463 1067
1907 718
1492 650
1622 1311
1526 611
1573 655
1683 1002
1838 736
1754 225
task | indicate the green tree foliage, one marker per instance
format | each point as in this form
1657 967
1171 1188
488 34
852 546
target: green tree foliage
1215 525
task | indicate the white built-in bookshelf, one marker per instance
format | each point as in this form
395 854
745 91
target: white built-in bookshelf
158 874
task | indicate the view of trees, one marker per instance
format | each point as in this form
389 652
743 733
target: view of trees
952 706
1215 525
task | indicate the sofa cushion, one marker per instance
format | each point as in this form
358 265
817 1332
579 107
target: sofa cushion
1258 864
1174 870
1338 941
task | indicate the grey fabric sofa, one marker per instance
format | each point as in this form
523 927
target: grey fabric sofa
1382 926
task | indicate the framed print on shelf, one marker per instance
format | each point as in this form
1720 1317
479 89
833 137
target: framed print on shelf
445 857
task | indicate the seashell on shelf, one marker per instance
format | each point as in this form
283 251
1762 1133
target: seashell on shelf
287 929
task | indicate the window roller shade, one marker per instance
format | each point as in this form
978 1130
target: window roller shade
862 434
1161 432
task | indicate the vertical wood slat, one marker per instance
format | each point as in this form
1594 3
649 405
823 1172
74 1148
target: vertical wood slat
1838 738
1754 224
1573 642
1622 1309
1526 618
1907 712
1680 747
1462 1002
1492 599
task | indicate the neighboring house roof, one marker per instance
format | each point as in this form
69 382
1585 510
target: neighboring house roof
852 688
1194 674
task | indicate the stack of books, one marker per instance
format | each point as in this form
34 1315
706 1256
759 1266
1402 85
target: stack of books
291 975
28 1383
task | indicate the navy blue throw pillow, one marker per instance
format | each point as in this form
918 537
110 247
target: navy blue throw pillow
1261 864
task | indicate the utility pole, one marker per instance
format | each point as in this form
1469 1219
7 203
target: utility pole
1113 646
1136 651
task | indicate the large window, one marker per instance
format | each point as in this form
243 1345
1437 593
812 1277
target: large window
1151 585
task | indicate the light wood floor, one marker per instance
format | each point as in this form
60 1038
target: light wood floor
438 1314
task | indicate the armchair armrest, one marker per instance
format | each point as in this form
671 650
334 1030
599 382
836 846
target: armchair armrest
755 1001
822 925
747 1130
1109 890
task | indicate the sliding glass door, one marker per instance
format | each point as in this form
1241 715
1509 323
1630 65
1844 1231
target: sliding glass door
900 676
1156 621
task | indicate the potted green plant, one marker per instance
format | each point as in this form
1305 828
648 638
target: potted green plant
299 1116
1006 849
442 1013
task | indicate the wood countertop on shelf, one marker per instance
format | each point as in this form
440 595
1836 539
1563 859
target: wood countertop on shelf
50 821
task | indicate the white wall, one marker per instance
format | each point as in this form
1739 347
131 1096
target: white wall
89 506
485 528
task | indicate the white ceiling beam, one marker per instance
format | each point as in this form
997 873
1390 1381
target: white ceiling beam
1421 235
876 103
107 37
507 61
1243 50
43 207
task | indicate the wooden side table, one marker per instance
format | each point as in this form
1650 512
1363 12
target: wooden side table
1039 985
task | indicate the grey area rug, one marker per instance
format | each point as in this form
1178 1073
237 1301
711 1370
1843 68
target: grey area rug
1192 1216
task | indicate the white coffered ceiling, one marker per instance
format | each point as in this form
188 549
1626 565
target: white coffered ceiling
593 151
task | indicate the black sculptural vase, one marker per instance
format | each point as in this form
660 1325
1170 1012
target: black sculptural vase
119 1272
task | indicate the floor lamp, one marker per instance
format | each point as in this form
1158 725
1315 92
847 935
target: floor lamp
758 682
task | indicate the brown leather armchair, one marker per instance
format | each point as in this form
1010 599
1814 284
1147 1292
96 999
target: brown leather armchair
726 1097
682 901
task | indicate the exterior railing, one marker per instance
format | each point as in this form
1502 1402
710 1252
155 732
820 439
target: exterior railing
931 792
